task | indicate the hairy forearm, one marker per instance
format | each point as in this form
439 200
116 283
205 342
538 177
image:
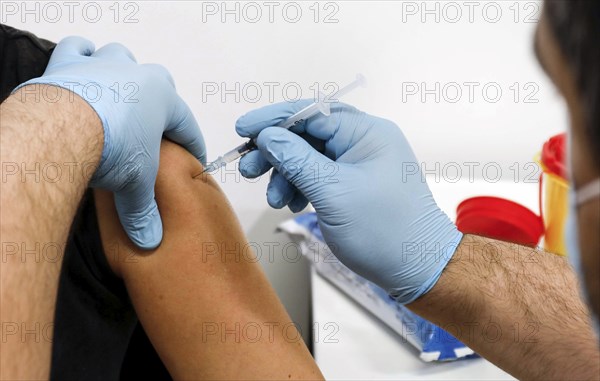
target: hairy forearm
516 306
48 151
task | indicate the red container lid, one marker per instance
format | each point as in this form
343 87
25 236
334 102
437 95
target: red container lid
500 219
554 155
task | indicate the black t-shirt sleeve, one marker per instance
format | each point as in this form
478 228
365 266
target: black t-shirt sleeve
94 319
22 56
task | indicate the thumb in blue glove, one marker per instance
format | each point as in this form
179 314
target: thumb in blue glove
137 104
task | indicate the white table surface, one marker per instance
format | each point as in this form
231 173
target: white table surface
352 344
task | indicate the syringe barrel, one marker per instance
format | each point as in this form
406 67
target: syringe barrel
320 106
239 151
300 116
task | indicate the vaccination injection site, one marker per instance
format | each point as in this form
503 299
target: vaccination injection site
300 190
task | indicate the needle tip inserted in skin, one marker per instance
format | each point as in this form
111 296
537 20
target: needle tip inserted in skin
206 170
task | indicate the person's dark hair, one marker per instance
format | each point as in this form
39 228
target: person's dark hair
575 25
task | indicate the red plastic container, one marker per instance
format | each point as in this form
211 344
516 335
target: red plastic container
554 155
500 219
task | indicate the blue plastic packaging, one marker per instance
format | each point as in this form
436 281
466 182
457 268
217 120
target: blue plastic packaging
434 343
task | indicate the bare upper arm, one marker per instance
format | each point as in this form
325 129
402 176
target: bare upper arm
197 295
185 201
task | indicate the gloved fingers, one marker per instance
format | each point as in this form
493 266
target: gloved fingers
344 120
71 46
340 130
316 143
115 52
294 158
279 191
254 164
298 203
183 129
252 123
139 215
160 71
346 129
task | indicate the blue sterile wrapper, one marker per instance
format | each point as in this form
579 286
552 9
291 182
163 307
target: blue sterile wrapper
434 343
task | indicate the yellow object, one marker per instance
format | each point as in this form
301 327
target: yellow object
555 209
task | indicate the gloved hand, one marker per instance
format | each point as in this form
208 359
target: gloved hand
136 104
373 205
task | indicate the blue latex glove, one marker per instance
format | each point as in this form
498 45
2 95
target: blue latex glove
378 217
136 104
